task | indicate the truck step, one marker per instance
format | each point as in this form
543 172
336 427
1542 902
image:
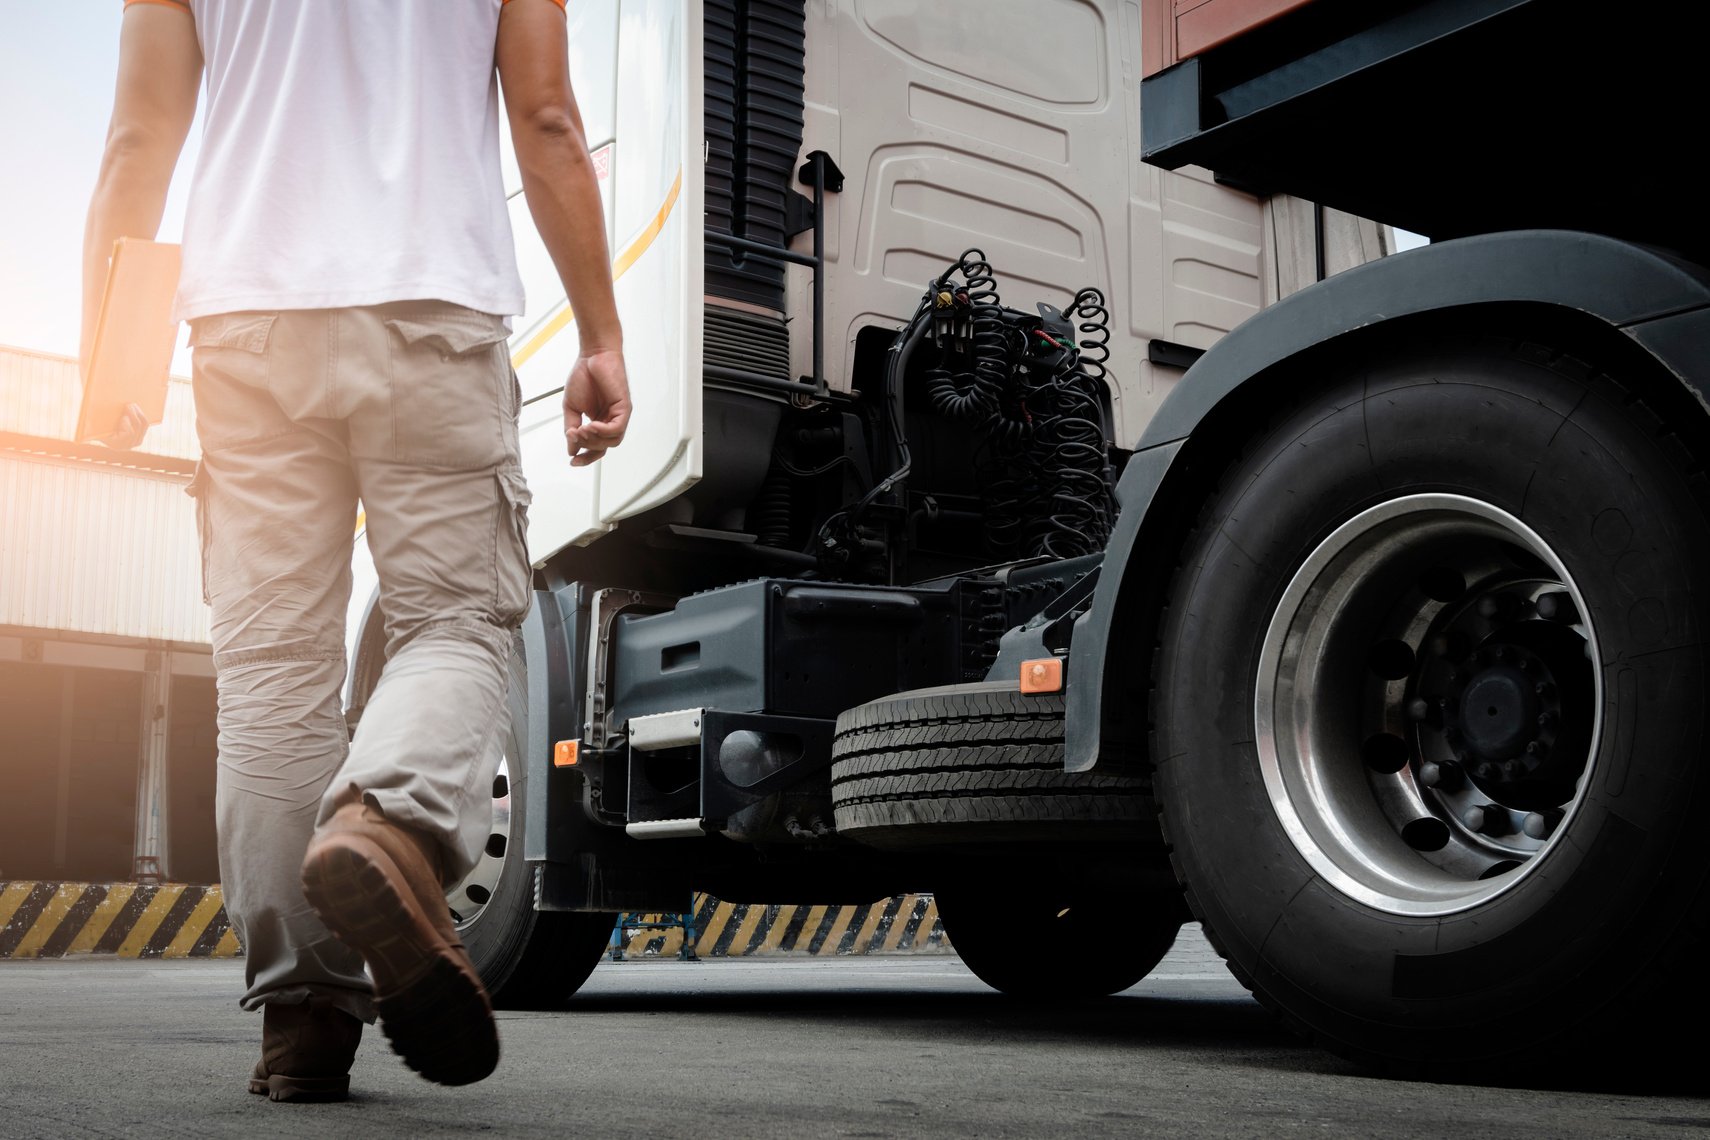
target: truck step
657 731
667 829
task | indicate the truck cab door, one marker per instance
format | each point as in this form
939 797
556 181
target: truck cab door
634 67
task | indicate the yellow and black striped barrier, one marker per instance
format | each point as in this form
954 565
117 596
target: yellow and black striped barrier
905 924
131 920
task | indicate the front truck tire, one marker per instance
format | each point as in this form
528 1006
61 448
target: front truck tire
527 959
1430 716
973 775
1049 940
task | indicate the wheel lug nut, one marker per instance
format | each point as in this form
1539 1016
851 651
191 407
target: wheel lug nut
1500 652
1540 824
1544 689
1446 777
1557 606
1485 770
1546 719
1535 748
1488 819
1419 709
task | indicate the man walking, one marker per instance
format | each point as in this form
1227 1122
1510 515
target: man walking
348 272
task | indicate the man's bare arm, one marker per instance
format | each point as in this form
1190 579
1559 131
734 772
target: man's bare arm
154 101
564 199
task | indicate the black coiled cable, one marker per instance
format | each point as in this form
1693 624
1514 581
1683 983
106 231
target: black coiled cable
771 515
1071 436
1004 491
977 392
1043 468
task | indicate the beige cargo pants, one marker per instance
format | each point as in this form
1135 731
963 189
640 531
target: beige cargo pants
410 408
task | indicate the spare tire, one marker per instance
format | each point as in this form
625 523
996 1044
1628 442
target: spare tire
1013 932
972 764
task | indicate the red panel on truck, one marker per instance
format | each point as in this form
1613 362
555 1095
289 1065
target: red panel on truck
1174 30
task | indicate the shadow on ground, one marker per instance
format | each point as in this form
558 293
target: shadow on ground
1234 1030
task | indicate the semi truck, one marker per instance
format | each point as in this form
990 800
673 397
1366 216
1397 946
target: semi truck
900 300
1045 493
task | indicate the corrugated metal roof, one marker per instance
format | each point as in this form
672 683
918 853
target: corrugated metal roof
40 394
92 549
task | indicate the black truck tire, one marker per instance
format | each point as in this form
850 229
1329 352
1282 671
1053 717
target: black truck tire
527 959
1429 721
978 763
1043 941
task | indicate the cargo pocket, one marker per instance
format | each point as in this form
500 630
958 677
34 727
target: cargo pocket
246 331
450 387
230 366
511 569
198 490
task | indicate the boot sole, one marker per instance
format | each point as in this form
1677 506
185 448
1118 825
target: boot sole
432 1005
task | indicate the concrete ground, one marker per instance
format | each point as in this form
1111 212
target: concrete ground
861 1047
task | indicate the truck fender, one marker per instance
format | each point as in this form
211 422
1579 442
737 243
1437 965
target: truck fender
551 641
1660 302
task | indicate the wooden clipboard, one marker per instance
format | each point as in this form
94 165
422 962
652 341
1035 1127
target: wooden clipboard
134 338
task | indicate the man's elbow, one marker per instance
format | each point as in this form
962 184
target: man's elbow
548 126
135 150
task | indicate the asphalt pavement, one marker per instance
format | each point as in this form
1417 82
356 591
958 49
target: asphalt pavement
898 1046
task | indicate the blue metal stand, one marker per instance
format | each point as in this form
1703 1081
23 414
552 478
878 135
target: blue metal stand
628 923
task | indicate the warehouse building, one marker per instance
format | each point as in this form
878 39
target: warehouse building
106 679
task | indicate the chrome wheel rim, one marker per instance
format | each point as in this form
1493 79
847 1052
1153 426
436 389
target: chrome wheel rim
1427 706
468 899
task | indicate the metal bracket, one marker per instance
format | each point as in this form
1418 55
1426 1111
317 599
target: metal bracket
603 610
721 795
820 172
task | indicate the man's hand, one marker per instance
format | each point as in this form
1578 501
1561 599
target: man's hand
596 406
564 198
133 425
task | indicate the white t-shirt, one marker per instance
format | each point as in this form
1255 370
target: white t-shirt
350 157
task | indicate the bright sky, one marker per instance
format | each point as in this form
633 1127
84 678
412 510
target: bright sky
57 63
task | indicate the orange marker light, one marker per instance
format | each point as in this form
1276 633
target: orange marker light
1042 675
564 754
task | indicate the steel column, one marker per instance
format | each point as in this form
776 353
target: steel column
148 862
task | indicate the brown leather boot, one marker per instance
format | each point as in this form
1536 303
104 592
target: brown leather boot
306 1051
376 885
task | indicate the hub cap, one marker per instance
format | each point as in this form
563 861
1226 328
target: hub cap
469 898
1427 704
